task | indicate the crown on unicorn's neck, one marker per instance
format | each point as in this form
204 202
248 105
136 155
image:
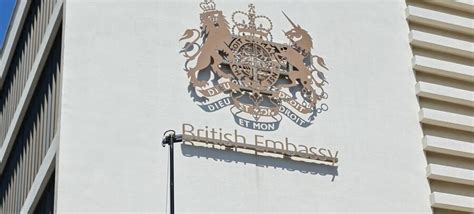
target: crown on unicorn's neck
251 24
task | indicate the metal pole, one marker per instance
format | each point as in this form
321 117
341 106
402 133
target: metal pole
170 140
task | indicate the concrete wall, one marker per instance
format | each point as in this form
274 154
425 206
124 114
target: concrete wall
124 85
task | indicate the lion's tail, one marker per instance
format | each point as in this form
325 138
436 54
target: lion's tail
188 34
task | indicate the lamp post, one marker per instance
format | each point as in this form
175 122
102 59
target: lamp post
169 138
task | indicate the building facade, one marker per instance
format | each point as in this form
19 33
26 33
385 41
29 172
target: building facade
441 38
88 87
30 82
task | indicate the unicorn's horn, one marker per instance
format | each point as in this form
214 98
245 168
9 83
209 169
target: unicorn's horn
289 19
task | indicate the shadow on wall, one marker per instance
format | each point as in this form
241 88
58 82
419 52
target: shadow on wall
231 156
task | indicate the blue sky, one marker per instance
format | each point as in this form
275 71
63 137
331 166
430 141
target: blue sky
6 8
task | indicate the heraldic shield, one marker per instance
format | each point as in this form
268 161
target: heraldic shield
240 67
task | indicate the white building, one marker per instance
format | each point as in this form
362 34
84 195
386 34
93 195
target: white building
87 88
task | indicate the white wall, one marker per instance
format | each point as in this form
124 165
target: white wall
124 86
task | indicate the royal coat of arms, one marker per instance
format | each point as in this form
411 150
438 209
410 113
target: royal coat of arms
241 67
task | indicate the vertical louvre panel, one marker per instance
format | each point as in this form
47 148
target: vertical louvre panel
29 41
22 174
46 203
34 136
